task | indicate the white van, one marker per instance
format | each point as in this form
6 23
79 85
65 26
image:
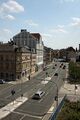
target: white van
38 95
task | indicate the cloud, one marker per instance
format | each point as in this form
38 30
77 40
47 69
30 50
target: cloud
5 34
75 22
31 23
11 6
58 29
9 17
62 1
7 31
46 36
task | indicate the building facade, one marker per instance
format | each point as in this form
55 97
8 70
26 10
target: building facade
7 62
34 43
24 38
48 55
16 62
39 50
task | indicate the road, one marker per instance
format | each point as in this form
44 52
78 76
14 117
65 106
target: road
34 109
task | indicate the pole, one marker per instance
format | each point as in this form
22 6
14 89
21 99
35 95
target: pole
56 97
21 85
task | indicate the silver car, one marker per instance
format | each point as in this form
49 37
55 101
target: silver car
38 95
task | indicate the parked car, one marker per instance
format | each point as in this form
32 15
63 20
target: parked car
38 95
2 81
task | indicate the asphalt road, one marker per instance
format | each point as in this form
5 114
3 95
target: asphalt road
34 109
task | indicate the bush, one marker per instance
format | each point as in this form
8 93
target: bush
70 111
74 72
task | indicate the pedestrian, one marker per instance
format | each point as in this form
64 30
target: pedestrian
12 91
29 77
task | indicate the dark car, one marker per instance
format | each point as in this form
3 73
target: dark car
45 68
55 64
64 67
53 67
56 74
2 81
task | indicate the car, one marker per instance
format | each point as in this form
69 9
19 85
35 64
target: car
45 68
55 64
53 67
64 67
60 66
56 74
2 81
38 94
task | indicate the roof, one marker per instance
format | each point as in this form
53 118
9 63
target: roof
36 35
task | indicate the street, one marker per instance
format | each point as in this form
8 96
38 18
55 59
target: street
34 109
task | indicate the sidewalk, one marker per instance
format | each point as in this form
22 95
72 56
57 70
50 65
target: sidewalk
69 90
24 79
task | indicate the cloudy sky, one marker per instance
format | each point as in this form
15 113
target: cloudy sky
58 21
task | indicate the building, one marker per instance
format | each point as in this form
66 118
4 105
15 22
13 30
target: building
48 55
16 62
34 42
24 38
78 54
7 62
39 50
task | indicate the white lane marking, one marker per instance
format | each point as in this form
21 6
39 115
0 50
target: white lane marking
44 82
25 114
51 109
11 106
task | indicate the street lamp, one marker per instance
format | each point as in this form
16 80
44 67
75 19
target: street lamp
56 97
21 84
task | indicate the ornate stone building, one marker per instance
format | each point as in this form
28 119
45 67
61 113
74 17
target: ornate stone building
16 62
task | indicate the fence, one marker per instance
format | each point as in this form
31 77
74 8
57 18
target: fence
54 114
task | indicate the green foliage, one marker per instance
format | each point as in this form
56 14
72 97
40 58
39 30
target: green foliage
70 111
74 72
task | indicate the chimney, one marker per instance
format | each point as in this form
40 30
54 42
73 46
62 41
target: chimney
23 30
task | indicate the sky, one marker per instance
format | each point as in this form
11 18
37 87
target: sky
58 21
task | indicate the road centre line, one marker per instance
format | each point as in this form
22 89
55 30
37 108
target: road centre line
29 115
5 88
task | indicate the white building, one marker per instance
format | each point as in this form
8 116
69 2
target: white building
39 50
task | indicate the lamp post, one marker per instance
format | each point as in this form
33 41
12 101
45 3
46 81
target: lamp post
56 97
21 84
